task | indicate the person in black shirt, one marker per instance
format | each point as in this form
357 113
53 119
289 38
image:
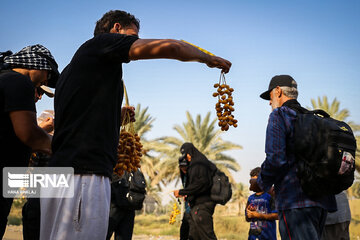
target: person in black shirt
19 133
88 102
197 191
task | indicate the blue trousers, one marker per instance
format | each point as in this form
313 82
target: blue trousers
302 223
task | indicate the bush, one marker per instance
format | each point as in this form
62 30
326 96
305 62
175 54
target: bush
15 216
156 225
14 220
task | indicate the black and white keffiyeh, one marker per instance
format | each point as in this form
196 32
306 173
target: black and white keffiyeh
35 57
29 58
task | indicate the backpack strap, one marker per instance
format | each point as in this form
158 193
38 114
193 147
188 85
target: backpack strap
294 105
302 110
297 108
320 112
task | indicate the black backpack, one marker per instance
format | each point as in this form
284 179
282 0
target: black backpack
324 151
128 191
221 191
137 190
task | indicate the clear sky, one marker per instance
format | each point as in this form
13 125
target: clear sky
317 42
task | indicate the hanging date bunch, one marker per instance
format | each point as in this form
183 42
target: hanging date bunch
175 211
225 105
129 147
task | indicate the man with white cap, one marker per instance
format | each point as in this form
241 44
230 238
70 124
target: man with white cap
20 134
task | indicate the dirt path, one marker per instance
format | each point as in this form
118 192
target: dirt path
15 233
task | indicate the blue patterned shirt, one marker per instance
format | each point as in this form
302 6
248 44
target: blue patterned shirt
279 167
259 228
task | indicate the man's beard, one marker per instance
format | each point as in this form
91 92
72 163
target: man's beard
274 105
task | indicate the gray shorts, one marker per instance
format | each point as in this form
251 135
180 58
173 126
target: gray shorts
83 217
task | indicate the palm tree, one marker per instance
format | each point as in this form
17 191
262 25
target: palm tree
152 199
240 194
334 111
143 125
206 139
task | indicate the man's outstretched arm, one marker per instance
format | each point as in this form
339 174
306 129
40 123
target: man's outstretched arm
174 49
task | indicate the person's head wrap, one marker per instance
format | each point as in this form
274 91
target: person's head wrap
35 57
183 162
196 155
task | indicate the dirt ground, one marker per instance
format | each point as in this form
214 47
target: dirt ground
15 233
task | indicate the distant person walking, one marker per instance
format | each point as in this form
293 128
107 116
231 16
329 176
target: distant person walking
197 191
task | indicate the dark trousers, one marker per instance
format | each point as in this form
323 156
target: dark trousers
31 219
302 223
201 221
185 227
5 206
338 231
121 221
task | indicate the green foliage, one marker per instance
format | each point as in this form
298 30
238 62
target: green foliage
240 191
14 220
152 191
205 137
143 125
19 202
226 227
15 215
159 161
155 225
332 109
144 121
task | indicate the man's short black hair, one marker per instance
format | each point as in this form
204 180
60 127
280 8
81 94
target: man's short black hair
255 172
107 21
